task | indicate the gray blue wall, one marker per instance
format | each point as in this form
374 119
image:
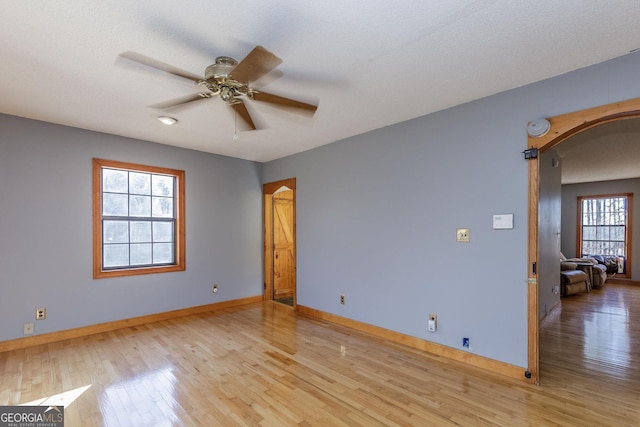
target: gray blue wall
376 220
570 194
46 234
377 214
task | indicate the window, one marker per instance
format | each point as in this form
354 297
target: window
138 219
604 225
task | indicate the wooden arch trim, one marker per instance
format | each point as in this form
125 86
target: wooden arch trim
567 125
562 127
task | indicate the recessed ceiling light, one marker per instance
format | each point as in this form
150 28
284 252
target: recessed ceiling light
168 120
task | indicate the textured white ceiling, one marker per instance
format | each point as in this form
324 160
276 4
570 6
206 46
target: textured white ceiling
368 64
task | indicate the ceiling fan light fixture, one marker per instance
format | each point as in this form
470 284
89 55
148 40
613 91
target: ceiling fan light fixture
168 120
228 79
226 93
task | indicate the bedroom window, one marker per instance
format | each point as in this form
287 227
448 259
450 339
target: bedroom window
604 225
138 219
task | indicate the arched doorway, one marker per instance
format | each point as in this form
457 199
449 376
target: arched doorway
562 128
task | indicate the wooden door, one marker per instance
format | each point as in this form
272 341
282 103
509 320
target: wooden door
283 245
279 199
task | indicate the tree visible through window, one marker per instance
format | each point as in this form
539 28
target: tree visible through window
604 225
138 219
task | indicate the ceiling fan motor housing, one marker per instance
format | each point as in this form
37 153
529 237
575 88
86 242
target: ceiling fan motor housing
221 68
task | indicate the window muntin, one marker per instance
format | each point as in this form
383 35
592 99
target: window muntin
138 219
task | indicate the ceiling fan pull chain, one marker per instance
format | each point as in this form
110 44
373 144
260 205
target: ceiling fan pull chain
235 125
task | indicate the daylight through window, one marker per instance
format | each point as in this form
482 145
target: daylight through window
138 222
604 222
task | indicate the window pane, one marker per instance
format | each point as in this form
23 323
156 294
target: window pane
620 219
115 255
589 248
617 233
607 217
162 185
114 181
162 207
115 231
115 204
162 253
602 233
163 232
140 232
139 183
141 254
140 206
589 233
617 248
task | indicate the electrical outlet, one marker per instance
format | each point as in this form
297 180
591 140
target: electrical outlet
433 322
28 328
41 313
466 343
214 288
463 235
342 299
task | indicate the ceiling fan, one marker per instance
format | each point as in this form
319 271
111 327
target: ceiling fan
229 79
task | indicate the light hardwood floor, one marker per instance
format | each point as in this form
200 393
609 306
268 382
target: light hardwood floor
263 364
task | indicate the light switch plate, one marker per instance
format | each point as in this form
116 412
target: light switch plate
462 235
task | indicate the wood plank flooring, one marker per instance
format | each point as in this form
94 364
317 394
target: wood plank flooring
264 365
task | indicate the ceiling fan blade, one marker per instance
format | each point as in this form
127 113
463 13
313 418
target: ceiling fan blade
154 63
242 111
284 102
255 65
267 79
182 100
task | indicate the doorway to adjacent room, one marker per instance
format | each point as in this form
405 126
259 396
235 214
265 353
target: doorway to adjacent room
280 241
562 128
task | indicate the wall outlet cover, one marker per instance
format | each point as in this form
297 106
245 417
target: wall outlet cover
463 235
432 325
